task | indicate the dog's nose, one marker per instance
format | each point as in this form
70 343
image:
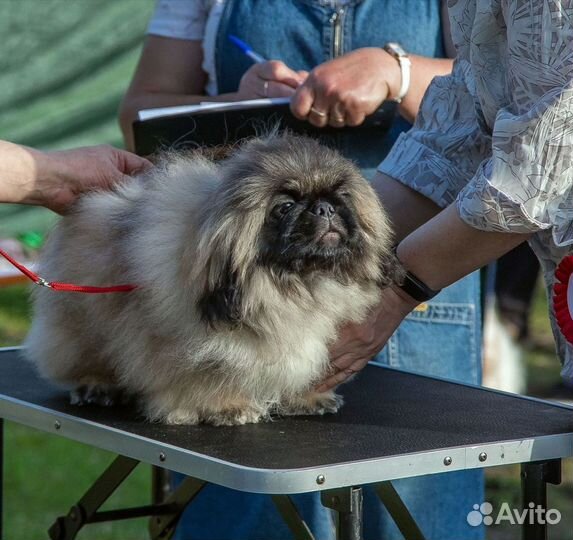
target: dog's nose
323 209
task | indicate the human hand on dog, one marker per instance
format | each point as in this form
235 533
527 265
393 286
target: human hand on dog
358 343
61 176
270 79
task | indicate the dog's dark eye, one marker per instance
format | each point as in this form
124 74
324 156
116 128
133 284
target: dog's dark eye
282 209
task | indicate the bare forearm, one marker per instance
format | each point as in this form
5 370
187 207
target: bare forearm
168 73
19 173
434 244
55 179
407 209
446 248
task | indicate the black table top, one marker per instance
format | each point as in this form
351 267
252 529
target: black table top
394 424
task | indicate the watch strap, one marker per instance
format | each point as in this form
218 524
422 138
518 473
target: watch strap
414 286
401 56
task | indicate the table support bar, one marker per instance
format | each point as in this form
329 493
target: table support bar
397 509
292 518
67 527
163 527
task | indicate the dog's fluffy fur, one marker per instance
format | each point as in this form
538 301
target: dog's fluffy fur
243 279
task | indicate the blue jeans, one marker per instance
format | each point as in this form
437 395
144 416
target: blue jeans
448 329
442 338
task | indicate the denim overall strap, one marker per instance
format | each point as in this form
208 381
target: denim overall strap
310 32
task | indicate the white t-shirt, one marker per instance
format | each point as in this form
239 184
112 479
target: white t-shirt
196 20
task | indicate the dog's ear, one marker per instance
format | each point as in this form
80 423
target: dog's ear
221 301
222 261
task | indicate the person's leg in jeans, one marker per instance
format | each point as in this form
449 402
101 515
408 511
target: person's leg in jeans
442 339
219 513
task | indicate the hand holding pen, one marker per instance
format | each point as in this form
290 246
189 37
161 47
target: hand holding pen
338 93
266 78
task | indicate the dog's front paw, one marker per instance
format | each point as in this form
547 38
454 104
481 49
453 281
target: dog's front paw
234 417
182 417
229 417
104 395
329 402
313 403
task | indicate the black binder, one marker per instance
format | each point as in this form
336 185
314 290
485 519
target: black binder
213 128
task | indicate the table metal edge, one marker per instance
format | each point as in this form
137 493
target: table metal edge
283 481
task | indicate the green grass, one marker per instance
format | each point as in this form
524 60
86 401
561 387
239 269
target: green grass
46 474
14 315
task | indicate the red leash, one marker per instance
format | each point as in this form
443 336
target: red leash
65 287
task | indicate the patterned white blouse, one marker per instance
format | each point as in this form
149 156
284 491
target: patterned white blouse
496 136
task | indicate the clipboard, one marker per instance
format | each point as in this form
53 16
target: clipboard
228 125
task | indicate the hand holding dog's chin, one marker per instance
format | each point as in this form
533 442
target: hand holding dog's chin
358 343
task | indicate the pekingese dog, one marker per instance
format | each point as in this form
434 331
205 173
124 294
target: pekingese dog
245 270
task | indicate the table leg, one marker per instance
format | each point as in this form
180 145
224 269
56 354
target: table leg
83 512
534 479
164 515
347 502
160 488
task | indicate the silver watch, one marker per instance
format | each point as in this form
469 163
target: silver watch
395 49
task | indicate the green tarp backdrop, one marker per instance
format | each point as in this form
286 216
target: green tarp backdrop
64 66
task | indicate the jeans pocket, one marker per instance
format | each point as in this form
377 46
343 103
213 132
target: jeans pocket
439 339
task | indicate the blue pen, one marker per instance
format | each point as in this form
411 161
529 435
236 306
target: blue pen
247 50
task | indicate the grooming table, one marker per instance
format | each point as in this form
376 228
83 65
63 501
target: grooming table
394 425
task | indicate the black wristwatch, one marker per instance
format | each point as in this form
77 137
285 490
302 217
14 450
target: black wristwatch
415 287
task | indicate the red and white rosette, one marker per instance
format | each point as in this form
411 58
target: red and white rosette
563 297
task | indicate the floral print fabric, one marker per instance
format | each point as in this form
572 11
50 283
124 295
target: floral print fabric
496 136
